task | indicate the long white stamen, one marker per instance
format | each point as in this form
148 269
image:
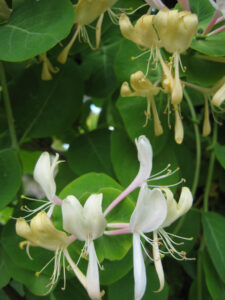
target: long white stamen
171 185
148 255
160 172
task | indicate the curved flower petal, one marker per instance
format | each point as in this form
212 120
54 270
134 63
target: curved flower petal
44 174
150 211
176 210
48 236
93 285
74 221
139 268
23 229
93 213
158 262
145 158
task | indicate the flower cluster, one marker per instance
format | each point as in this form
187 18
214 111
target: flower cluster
155 210
173 31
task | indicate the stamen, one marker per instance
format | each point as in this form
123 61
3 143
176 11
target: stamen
134 11
37 274
64 275
169 173
32 199
148 255
171 185
160 172
143 53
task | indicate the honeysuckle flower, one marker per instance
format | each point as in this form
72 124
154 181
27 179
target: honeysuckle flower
44 173
176 31
42 233
143 87
174 211
178 130
144 149
86 12
87 224
149 214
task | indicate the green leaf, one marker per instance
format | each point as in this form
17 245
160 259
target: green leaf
10 176
197 70
4 274
43 108
212 45
220 154
214 232
35 27
124 289
214 284
37 285
88 183
102 81
91 152
204 10
124 157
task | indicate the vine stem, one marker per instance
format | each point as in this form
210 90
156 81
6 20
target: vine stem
8 107
210 170
205 208
198 143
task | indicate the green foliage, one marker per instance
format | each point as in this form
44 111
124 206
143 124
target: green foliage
35 27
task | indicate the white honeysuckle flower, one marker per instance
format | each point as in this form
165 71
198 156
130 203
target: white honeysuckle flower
149 214
219 5
144 149
87 224
174 211
42 233
44 173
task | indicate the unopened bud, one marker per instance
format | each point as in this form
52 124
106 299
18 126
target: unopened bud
219 96
179 130
206 124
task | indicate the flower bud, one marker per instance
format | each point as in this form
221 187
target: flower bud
87 11
176 29
206 124
179 130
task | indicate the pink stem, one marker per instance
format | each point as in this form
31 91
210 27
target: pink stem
185 5
118 225
57 201
220 20
118 232
218 30
72 238
126 192
159 4
212 22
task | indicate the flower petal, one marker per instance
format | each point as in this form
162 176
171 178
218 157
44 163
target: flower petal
48 236
145 158
176 210
44 174
139 268
150 211
93 213
158 263
74 220
93 285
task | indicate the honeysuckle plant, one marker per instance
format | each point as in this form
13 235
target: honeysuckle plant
130 212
